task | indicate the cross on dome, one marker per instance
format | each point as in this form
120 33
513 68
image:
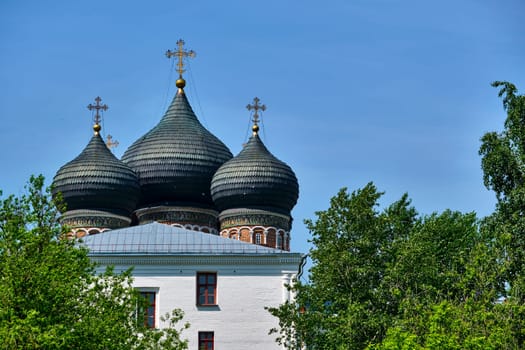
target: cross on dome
256 107
110 142
180 53
97 107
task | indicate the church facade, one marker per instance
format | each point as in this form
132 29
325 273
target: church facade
204 231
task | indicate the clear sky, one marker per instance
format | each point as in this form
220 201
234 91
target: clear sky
391 91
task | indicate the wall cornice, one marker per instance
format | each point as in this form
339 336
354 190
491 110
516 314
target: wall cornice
271 259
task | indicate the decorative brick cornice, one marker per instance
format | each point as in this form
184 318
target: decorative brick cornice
197 219
94 219
253 217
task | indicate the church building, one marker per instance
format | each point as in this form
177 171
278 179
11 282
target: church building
204 231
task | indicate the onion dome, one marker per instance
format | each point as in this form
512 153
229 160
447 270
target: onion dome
96 184
255 179
96 179
176 160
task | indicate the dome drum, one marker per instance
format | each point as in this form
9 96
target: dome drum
194 218
240 217
93 218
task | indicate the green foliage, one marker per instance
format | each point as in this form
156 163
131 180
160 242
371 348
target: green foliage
167 338
50 297
394 280
347 304
455 326
503 154
503 163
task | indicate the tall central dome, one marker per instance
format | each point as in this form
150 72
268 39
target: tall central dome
175 162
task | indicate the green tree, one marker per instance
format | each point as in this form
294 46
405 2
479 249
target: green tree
382 279
503 164
50 296
479 304
345 306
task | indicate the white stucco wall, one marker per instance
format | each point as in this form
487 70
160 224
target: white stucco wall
239 321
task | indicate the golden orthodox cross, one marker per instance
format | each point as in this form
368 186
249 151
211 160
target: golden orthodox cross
256 107
97 108
180 53
110 143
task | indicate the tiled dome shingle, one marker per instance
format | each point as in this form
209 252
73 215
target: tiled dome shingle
255 179
96 179
176 160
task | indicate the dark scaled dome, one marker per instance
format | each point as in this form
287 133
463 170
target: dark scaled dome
176 160
255 179
97 180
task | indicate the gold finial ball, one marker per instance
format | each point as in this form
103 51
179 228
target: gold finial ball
97 127
255 128
180 83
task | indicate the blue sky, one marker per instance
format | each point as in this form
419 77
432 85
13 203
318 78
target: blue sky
391 91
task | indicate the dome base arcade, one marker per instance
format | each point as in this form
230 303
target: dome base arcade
256 226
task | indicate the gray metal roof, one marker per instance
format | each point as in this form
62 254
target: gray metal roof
161 239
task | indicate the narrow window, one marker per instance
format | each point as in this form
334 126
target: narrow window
279 241
206 288
205 340
146 310
258 238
